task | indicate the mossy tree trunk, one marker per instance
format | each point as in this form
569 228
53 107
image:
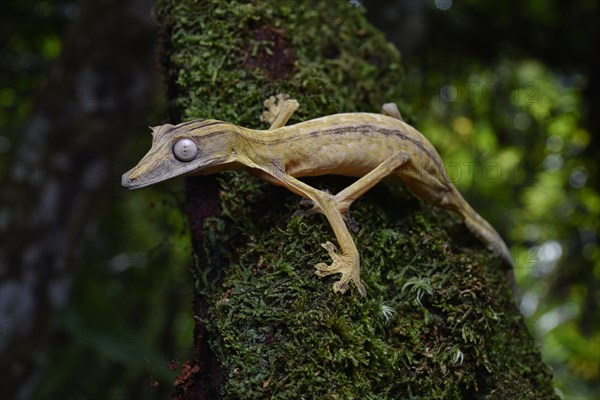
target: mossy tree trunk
438 320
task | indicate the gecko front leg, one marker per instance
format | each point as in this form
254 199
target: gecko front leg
280 109
347 260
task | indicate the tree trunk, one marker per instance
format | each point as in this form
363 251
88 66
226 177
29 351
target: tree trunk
438 320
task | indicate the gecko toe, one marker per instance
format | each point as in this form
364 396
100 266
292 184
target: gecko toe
322 269
331 249
307 202
340 287
303 213
351 223
342 264
306 213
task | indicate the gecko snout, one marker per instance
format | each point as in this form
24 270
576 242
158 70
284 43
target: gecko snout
127 181
131 179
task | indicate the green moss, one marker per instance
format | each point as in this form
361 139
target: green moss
438 320
224 68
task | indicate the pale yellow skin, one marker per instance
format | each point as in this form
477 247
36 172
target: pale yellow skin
364 145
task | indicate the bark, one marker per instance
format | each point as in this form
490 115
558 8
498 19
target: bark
438 320
64 163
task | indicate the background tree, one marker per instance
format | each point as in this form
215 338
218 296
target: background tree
94 96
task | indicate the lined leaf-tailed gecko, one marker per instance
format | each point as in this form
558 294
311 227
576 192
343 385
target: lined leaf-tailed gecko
364 145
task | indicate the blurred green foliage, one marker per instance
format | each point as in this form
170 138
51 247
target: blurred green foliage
30 39
514 135
128 328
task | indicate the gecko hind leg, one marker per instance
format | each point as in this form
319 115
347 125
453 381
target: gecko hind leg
347 260
346 197
391 110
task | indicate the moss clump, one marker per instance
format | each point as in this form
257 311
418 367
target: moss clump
225 59
438 321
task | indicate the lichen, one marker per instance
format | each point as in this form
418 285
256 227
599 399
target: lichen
438 320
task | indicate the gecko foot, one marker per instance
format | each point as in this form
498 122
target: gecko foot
274 106
312 210
303 213
343 264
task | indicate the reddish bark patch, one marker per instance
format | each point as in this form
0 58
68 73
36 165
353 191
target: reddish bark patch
185 383
270 52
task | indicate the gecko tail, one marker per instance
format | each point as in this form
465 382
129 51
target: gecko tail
486 233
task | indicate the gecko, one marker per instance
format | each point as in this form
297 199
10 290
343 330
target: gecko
367 146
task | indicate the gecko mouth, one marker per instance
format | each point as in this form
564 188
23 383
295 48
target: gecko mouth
146 174
136 179
142 176
132 184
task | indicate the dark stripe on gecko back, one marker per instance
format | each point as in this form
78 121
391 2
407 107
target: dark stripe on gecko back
366 130
396 132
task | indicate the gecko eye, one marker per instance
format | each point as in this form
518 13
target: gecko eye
185 150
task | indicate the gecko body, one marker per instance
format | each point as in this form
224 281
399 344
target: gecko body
364 145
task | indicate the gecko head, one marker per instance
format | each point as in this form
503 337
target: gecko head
190 148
